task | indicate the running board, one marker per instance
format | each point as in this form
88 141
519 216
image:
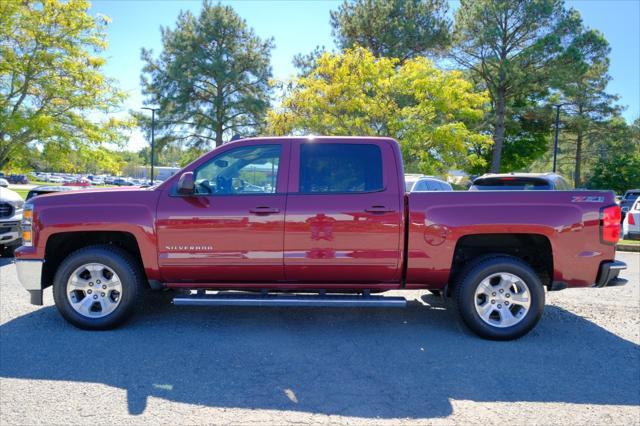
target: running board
335 301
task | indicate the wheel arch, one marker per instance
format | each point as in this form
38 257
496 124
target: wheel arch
533 249
60 245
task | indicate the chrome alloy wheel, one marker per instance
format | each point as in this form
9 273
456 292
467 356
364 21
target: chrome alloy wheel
502 299
94 290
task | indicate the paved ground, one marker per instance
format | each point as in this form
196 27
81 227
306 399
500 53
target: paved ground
178 365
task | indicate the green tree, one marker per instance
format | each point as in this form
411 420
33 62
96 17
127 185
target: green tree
431 112
587 106
618 173
516 49
51 80
400 29
211 79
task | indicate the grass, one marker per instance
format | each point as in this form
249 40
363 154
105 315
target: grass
630 242
22 192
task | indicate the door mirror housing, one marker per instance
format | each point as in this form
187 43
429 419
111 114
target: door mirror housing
186 184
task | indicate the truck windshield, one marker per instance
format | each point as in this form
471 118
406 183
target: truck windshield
510 184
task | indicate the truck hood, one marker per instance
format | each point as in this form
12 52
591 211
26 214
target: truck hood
9 195
116 196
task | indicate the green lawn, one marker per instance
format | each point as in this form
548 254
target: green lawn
631 242
22 192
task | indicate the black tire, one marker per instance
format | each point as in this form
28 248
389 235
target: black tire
471 278
7 251
122 264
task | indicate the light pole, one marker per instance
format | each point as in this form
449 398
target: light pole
153 136
555 140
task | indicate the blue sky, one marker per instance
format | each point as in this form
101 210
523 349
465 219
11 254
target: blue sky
300 25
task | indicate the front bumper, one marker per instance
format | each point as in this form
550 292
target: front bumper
30 276
608 274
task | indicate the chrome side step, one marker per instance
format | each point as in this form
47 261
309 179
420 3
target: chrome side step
335 301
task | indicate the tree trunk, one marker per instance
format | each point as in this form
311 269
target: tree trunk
576 174
498 133
218 134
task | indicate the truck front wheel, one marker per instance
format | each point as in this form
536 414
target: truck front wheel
500 297
97 287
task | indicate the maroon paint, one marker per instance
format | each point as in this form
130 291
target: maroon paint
323 241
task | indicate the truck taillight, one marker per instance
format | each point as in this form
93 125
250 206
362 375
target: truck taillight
610 224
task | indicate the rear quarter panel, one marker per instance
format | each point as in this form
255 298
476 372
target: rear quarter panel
437 221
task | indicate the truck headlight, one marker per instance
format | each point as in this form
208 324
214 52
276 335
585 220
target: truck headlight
27 225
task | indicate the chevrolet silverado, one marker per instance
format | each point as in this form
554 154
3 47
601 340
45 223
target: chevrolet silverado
314 221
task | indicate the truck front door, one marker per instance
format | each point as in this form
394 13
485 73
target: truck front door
344 213
232 228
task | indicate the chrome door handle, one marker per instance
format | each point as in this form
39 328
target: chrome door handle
378 209
264 210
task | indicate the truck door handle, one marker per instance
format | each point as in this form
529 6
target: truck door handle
378 209
264 210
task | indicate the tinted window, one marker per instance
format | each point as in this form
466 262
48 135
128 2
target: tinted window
326 168
244 170
512 184
420 186
631 196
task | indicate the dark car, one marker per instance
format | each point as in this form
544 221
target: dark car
520 182
123 182
18 179
48 189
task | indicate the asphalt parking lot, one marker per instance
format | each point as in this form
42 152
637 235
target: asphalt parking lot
181 365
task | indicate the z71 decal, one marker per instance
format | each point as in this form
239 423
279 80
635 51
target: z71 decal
587 199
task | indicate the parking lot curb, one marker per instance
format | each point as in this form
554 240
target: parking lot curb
628 247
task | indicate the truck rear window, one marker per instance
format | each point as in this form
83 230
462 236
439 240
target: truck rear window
340 168
511 184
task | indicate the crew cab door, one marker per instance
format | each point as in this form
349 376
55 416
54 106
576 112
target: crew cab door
344 213
231 228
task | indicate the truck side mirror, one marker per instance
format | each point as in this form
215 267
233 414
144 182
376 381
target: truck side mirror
186 184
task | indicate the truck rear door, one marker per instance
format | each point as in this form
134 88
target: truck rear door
344 213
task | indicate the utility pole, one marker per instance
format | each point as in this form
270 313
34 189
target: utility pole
153 136
555 140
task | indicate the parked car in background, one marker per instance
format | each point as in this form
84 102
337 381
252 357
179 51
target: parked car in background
520 182
430 183
631 222
628 199
79 182
55 179
410 179
4 183
123 182
49 189
10 216
18 179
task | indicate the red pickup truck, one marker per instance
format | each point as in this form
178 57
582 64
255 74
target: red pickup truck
318 221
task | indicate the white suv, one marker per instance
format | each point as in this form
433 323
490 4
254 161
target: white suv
10 216
631 222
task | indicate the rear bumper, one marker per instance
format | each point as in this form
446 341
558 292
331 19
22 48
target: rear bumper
608 274
632 235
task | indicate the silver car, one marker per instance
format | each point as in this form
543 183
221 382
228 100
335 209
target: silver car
428 183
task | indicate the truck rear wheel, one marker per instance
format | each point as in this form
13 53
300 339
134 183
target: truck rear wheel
97 288
500 297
